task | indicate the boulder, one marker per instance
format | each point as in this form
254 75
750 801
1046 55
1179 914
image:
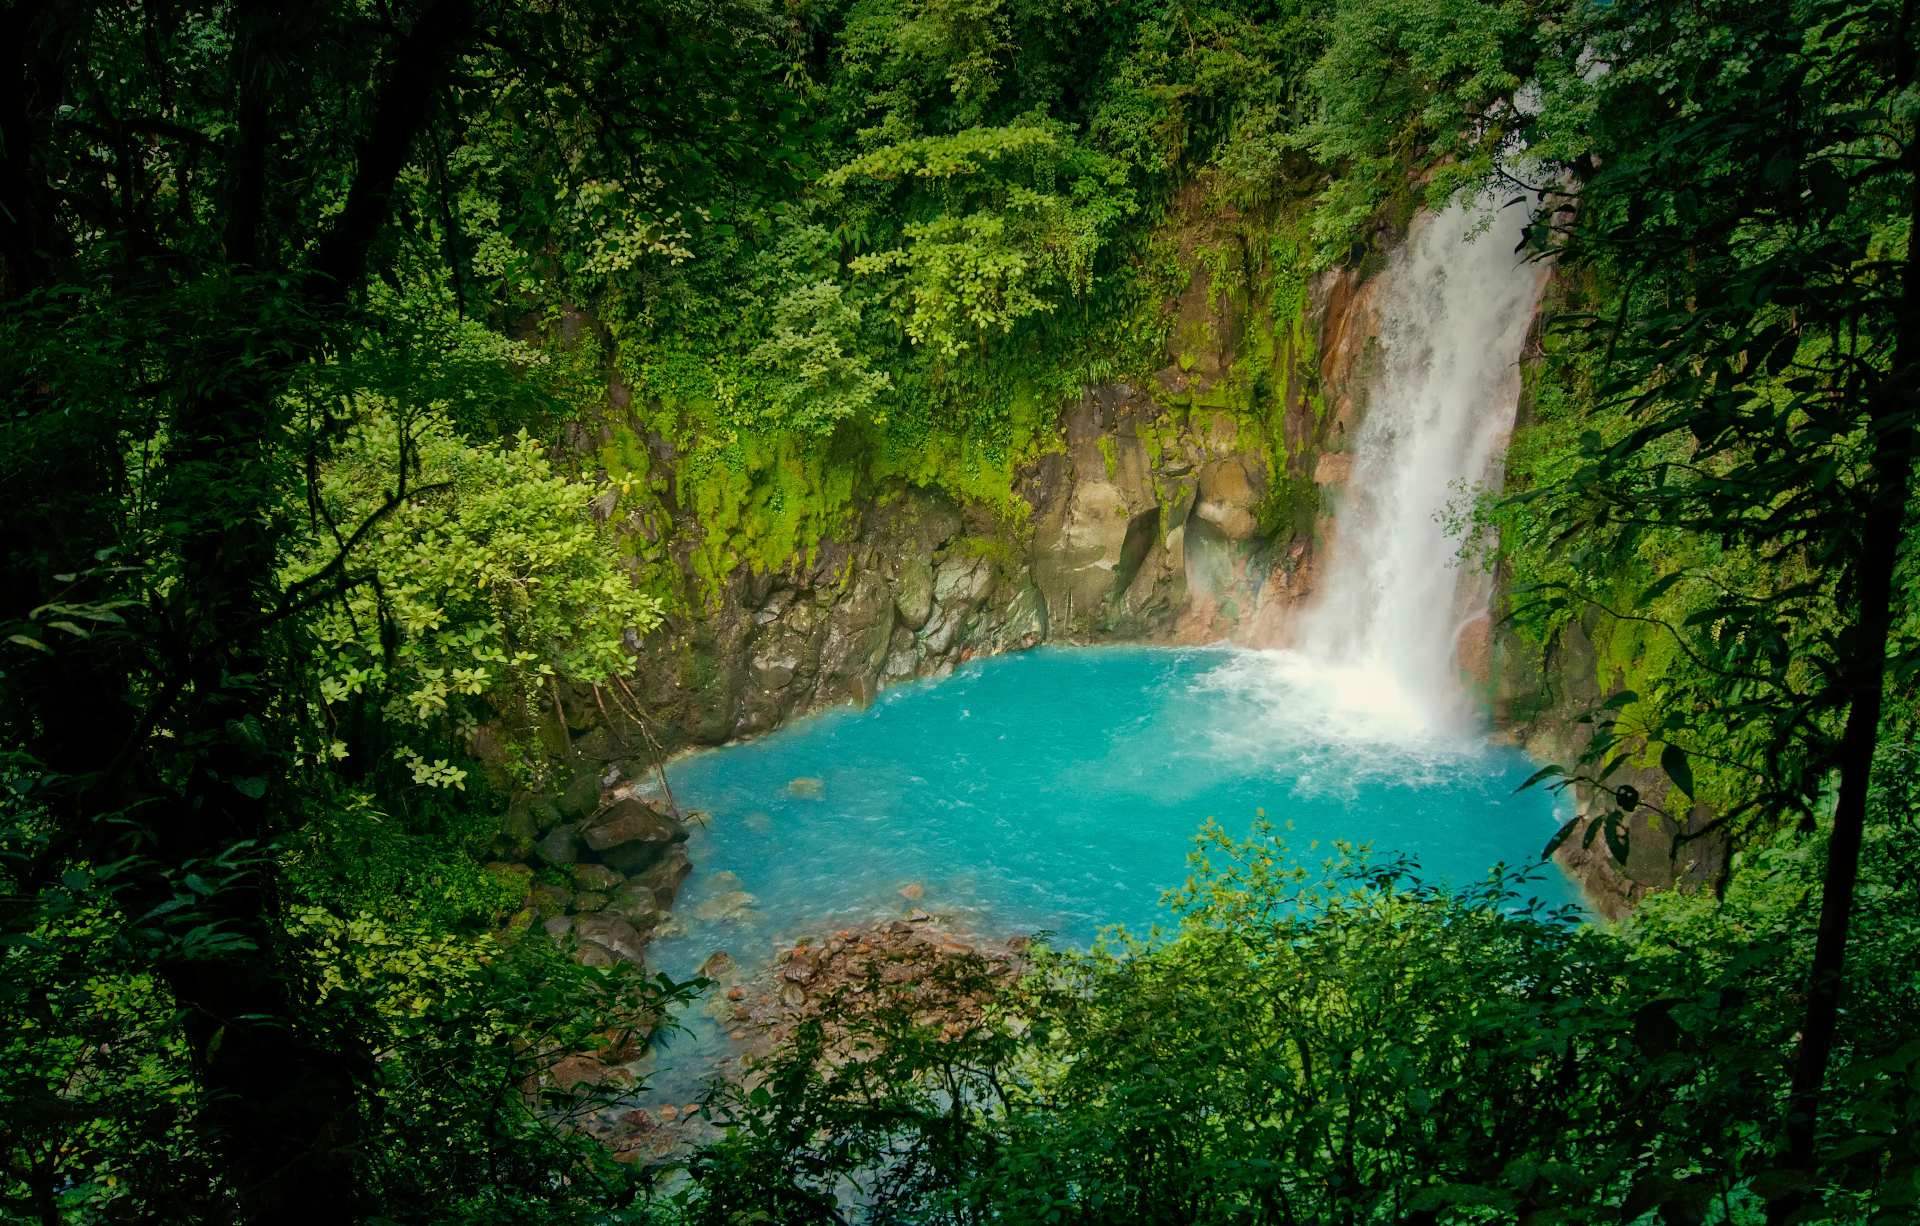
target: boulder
913 592
807 787
557 847
596 877
962 580
518 823
549 900
558 927
717 966
630 836
611 933
660 884
582 794
589 900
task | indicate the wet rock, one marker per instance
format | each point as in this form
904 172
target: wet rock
596 877
912 892
962 580
944 628
792 995
558 927
597 956
774 670
718 965
917 916
557 846
855 649
589 900
611 933
518 822
1332 468
807 788
630 836
664 878
913 592
1230 493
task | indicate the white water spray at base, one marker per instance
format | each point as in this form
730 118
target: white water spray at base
1378 647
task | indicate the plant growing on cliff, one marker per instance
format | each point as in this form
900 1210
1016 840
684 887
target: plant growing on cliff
487 584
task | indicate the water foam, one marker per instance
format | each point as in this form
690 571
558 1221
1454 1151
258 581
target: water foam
1379 645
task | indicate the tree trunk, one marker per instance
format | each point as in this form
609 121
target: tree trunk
1865 678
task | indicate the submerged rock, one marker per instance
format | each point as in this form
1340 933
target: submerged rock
806 787
912 892
724 906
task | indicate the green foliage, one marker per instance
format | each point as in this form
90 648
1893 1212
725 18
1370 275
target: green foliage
1348 1045
488 578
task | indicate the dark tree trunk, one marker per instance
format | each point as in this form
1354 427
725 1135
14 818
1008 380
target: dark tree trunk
1865 682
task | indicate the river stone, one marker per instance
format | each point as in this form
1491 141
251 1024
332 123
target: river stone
595 877
913 592
630 836
611 933
558 927
718 965
589 900
661 883
792 995
724 906
557 846
590 954
807 787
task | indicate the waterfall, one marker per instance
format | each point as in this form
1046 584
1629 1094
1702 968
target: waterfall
1453 309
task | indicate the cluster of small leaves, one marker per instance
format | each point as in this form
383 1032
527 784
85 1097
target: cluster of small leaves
1345 1045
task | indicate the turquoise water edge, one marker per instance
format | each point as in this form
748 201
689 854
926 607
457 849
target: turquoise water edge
1059 790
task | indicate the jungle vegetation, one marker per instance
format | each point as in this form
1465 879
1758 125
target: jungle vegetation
297 301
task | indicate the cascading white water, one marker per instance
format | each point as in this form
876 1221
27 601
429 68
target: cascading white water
1454 307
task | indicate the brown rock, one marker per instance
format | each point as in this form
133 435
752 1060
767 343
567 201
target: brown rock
611 933
913 892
